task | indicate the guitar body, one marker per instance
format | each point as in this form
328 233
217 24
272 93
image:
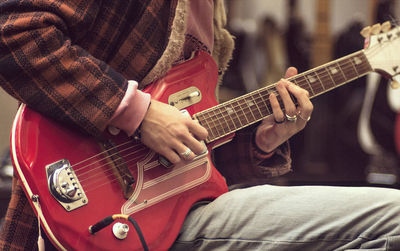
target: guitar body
161 196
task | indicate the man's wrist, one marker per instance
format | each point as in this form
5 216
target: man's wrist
257 149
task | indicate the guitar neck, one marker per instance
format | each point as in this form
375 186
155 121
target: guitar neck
235 114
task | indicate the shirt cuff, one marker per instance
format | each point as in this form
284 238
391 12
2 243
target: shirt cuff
131 110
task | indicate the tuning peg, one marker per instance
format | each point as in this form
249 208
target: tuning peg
366 31
375 29
386 26
394 84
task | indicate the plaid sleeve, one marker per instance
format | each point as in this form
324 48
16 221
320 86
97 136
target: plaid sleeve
41 67
239 162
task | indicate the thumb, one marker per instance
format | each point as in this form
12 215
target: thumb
290 72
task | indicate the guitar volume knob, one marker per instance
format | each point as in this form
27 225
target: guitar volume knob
120 230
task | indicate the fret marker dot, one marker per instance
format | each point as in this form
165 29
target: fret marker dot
333 70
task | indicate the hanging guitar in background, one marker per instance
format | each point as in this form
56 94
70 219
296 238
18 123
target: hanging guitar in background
376 131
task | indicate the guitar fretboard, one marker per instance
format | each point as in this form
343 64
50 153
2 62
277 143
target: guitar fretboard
228 117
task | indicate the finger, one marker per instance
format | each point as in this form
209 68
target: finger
170 154
290 72
185 152
288 103
185 137
198 131
305 106
276 109
177 151
196 146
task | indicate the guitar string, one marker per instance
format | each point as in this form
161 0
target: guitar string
263 109
345 64
106 175
100 153
128 141
211 117
139 147
119 158
302 82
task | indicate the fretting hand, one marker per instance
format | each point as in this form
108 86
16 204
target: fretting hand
278 128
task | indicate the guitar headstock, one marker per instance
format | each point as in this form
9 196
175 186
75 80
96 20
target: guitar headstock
382 49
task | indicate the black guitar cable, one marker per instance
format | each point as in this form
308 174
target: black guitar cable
108 220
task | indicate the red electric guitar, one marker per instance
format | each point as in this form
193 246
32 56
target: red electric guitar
75 181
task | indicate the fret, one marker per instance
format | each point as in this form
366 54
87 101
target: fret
365 67
347 69
248 108
233 115
244 113
315 83
302 82
265 97
260 103
237 111
219 126
224 121
294 80
343 79
297 80
251 104
273 90
258 110
335 74
206 125
327 81
305 77
227 118
355 59
212 125
319 81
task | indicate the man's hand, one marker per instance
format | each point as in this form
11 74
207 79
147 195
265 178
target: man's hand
282 125
170 133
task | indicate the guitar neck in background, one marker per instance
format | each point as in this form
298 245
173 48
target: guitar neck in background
321 50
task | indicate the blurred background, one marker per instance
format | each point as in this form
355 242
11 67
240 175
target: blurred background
350 138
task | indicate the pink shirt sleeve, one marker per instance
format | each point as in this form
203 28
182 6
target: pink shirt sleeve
132 109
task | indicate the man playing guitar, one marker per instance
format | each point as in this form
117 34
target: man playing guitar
94 67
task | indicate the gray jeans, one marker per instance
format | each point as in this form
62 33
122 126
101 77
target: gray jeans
295 218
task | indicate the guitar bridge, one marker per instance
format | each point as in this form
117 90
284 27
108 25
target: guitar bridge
64 185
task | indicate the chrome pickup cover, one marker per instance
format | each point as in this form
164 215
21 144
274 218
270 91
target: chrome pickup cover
64 185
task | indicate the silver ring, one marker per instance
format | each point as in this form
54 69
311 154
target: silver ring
186 153
307 119
291 118
279 122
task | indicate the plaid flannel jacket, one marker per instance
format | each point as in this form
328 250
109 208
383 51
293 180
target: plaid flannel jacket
78 76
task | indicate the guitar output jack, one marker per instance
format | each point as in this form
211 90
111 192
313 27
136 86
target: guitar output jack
120 230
